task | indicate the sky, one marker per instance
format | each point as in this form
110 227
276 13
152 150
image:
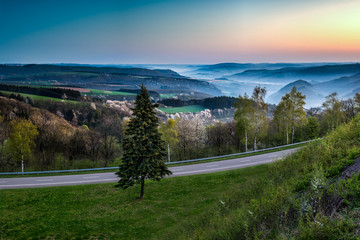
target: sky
179 31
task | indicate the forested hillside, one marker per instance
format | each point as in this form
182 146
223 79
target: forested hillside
89 134
104 78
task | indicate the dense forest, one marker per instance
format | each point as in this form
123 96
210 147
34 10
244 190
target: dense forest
209 103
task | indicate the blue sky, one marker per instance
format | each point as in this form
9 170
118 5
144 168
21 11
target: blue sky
178 31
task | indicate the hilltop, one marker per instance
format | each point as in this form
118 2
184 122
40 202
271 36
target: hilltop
104 78
313 98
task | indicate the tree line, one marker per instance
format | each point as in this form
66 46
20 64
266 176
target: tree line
257 126
209 103
61 93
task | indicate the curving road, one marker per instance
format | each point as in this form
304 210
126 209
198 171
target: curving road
66 180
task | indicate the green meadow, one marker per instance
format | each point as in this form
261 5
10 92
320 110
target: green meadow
185 109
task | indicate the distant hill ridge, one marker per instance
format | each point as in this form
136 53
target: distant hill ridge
291 72
105 78
8 69
312 97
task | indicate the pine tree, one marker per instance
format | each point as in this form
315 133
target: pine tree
144 151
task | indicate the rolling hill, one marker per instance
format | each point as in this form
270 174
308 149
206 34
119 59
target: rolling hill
104 78
313 98
344 86
313 73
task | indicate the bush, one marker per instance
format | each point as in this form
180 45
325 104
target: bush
82 164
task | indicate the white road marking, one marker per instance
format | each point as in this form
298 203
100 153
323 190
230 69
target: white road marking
91 177
221 168
214 165
247 160
44 180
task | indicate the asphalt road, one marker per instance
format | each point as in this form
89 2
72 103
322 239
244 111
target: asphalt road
65 180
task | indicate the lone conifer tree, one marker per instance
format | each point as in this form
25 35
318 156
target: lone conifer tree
144 151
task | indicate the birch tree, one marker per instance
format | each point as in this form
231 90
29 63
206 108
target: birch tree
22 140
259 119
251 116
332 110
243 115
290 112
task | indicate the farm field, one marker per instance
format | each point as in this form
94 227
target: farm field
37 97
191 109
168 95
97 92
85 74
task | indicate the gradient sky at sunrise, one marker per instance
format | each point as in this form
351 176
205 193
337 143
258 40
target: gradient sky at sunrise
179 31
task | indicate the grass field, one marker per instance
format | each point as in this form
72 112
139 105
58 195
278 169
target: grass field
172 207
168 95
86 74
37 97
283 200
97 92
186 109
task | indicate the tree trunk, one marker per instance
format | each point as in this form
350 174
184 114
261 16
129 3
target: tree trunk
142 188
292 134
168 152
184 148
255 146
22 164
287 135
246 141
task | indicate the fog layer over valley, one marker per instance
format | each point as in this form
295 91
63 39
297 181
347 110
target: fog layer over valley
186 81
315 80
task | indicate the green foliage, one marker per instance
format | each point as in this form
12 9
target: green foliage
333 115
143 148
312 128
243 113
22 139
290 113
324 228
109 149
251 116
82 164
169 132
357 102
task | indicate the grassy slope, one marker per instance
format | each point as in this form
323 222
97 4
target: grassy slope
97 92
192 108
102 211
37 97
301 197
296 198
